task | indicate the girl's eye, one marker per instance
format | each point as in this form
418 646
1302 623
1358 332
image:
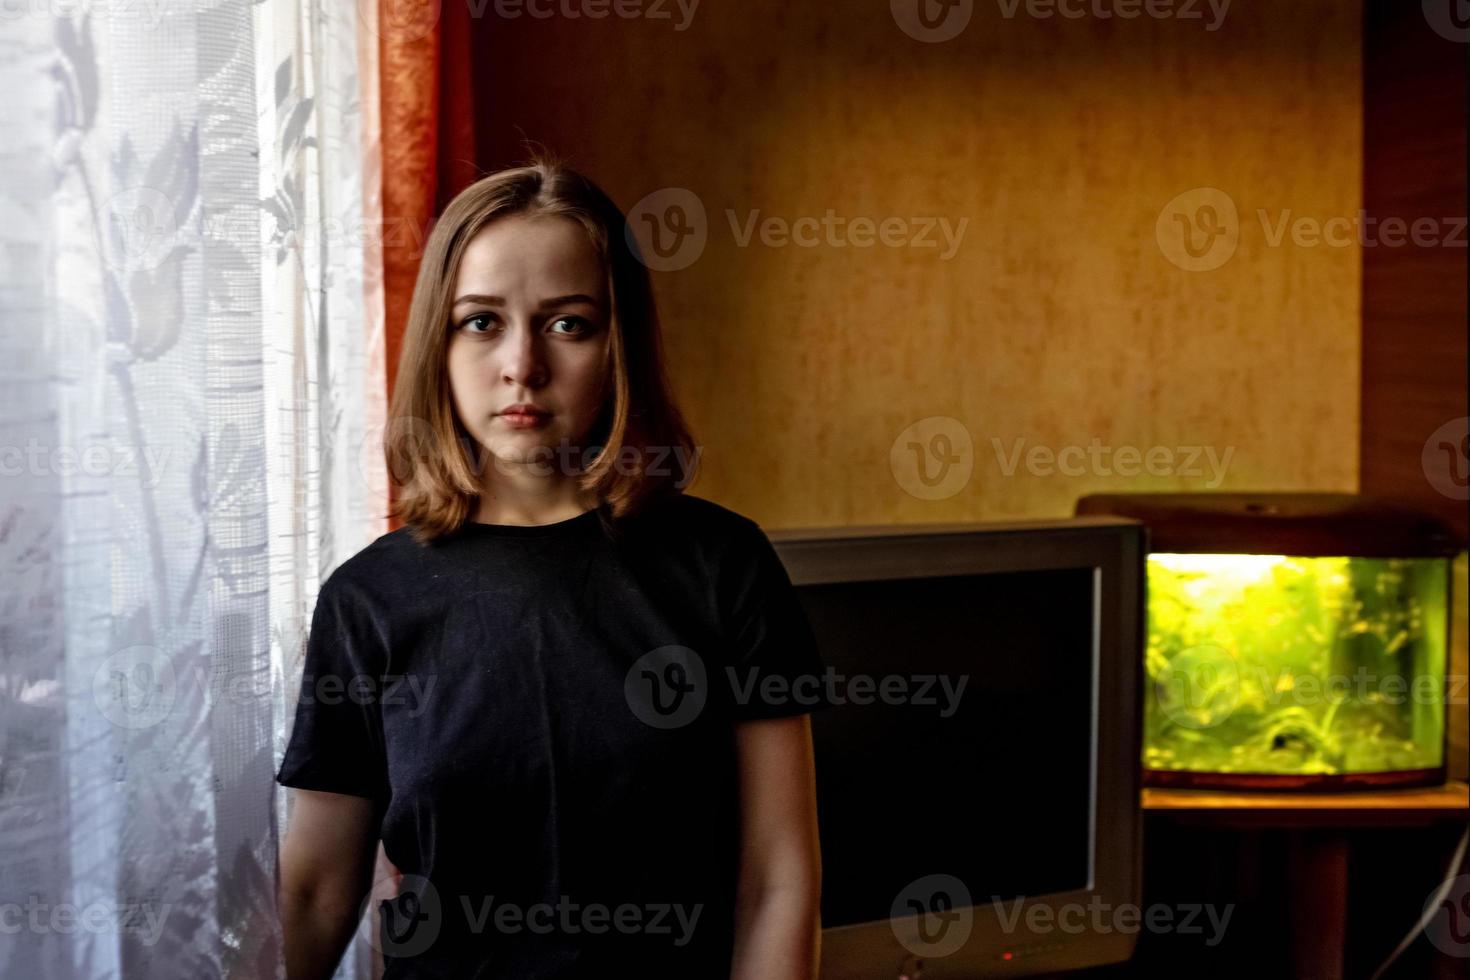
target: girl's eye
578 324
482 323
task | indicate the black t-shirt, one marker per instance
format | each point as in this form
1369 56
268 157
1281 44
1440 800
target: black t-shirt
544 716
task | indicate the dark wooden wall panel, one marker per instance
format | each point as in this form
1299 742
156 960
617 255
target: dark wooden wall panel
1414 296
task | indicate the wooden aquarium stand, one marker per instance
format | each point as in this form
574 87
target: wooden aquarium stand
1318 826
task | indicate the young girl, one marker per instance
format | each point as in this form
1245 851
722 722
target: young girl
564 694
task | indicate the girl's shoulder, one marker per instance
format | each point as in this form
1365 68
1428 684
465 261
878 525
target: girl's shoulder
686 520
688 510
732 547
382 568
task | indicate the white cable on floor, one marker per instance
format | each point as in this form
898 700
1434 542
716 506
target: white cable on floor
1430 907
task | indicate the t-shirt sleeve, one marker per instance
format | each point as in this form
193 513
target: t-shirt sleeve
336 742
775 668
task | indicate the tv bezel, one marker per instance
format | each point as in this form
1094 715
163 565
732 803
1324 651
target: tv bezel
1115 548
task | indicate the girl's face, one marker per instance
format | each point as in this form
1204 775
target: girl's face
529 326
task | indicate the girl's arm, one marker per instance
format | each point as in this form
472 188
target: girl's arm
326 871
777 915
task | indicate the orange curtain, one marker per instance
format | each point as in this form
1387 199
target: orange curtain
428 140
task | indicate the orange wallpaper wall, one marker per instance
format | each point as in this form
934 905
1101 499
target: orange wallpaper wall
1070 317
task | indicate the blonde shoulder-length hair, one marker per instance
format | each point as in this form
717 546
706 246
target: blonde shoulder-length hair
433 462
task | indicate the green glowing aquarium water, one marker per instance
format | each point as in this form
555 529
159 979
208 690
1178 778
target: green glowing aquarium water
1277 665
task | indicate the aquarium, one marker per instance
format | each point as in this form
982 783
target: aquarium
1290 667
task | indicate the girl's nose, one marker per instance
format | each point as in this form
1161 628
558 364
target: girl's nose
525 362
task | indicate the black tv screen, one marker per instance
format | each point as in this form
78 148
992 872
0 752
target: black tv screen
986 773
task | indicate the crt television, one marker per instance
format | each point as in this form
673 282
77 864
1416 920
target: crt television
978 770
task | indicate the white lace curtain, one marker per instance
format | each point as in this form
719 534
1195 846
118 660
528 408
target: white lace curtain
190 367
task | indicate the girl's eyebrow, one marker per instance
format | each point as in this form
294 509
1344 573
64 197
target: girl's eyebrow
487 300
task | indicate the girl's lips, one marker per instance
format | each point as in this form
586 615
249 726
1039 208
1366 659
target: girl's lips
524 420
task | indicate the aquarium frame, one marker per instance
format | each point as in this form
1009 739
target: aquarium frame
1114 548
1365 780
1296 525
